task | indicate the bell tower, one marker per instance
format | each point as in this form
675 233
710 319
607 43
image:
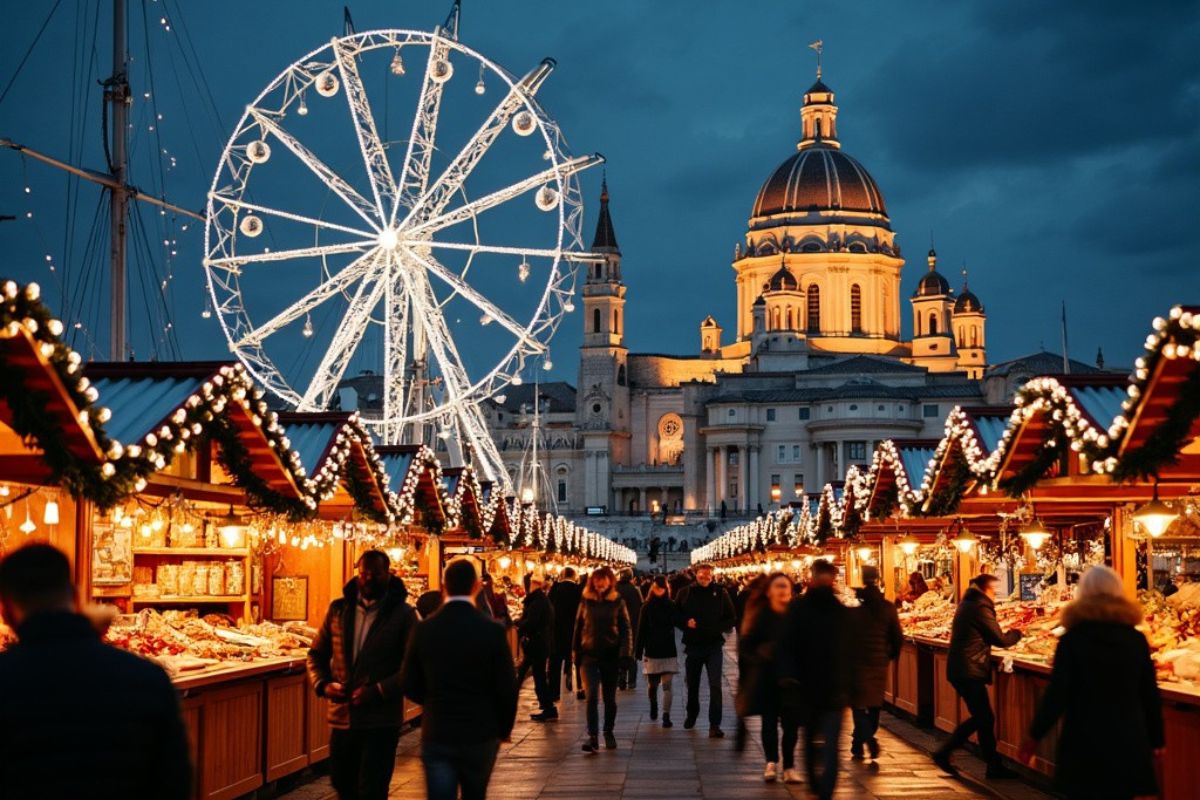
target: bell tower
602 404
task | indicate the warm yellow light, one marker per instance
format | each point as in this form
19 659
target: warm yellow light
50 515
1036 534
964 541
796 563
529 565
1156 516
864 553
504 562
909 544
776 494
396 554
527 494
230 530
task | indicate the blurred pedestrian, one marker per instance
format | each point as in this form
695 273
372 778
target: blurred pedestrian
536 629
755 587
355 663
428 603
759 692
655 647
705 614
1104 689
813 664
79 718
627 675
969 669
877 640
460 669
564 597
603 636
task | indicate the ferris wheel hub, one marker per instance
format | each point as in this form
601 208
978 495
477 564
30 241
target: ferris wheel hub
389 239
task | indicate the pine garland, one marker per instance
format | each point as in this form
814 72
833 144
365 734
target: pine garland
1162 446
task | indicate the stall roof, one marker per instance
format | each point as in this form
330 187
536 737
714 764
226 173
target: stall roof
20 351
314 436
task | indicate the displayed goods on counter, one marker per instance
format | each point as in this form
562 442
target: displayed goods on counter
183 641
190 579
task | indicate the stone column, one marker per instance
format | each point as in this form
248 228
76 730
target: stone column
721 479
710 469
752 497
743 484
642 500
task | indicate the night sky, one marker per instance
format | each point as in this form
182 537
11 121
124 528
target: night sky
1054 148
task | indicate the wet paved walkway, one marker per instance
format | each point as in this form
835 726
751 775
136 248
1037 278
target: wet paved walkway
544 761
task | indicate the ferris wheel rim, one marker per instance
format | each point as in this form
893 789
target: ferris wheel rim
544 319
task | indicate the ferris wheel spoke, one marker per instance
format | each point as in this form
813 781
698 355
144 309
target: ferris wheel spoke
436 336
434 201
242 205
383 185
481 302
395 354
414 176
359 204
526 252
479 205
345 341
328 288
232 262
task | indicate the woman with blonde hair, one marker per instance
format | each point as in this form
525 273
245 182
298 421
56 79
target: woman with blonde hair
603 636
1104 688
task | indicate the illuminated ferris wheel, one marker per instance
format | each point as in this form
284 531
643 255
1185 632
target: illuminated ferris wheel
436 263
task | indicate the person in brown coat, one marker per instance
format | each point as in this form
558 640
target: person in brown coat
603 637
877 640
1104 689
355 663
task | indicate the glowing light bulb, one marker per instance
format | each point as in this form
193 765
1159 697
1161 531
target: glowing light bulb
569 306
397 63
206 313
308 327
302 109
523 271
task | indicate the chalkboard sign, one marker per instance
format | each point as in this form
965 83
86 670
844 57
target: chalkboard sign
1030 582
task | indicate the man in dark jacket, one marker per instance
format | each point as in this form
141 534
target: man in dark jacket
969 669
355 664
79 718
813 662
564 597
536 629
632 595
877 640
705 614
459 668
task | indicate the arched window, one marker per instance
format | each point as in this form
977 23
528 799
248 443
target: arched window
597 272
595 320
814 309
621 375
790 326
616 322
562 490
775 319
933 325
856 309
974 336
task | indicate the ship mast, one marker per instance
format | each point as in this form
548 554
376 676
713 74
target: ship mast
116 93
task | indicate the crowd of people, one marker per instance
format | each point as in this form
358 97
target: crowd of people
809 651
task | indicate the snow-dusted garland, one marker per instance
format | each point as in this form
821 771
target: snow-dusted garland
406 510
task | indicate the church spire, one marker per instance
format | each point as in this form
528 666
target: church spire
605 240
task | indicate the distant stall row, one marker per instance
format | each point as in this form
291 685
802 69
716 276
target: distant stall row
1081 470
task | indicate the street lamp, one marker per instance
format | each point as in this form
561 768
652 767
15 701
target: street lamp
1156 516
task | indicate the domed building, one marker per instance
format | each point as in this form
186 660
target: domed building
816 373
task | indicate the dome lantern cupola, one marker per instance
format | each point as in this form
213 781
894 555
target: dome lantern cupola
818 118
932 283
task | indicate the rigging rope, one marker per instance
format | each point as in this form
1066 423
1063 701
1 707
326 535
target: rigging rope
28 52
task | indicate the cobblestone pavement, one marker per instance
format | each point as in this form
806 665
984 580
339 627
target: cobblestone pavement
544 761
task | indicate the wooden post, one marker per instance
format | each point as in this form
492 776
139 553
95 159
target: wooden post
966 567
1124 551
887 566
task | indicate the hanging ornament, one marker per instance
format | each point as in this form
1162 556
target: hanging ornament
327 84
28 526
524 123
569 306
302 109
397 63
441 71
523 271
50 513
258 152
480 88
308 327
546 198
250 226
485 319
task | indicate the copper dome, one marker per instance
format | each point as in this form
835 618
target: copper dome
967 302
819 179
